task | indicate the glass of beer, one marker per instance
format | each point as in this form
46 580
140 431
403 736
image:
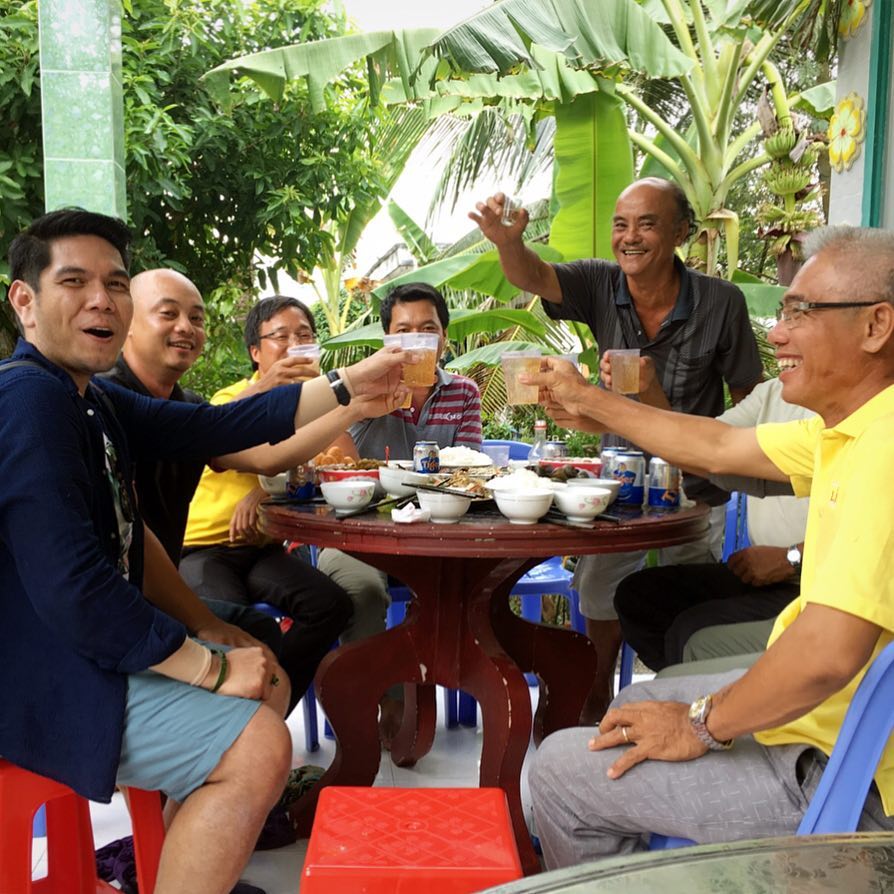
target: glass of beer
515 363
311 351
425 344
625 370
396 341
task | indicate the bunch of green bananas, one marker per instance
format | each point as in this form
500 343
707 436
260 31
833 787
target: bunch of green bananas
781 143
786 179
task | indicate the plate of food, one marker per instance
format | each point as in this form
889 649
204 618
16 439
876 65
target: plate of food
570 467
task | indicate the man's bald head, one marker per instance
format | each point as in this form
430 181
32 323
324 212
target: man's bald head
149 284
168 329
674 191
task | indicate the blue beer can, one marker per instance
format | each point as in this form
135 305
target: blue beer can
629 467
426 457
664 484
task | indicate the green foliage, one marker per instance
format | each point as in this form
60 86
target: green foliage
210 192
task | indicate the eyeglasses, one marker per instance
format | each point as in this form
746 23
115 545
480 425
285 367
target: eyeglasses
281 337
792 312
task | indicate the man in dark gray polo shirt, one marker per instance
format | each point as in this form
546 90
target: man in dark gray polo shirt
693 328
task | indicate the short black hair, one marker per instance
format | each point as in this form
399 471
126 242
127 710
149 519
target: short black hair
263 311
414 291
29 252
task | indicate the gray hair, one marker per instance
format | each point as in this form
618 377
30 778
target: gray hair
870 255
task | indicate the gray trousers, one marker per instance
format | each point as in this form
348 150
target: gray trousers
751 791
721 640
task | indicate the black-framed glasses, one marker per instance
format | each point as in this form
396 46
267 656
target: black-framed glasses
792 312
282 337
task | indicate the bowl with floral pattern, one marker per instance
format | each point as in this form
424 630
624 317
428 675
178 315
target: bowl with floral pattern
348 494
582 504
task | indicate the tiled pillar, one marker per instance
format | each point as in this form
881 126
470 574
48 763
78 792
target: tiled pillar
83 110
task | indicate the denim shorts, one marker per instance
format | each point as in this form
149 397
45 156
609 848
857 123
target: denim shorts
176 734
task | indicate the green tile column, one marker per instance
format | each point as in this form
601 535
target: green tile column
83 108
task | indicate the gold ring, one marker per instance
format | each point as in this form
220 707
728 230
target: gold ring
624 734
274 680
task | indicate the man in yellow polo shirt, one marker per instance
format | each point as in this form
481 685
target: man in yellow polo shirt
738 755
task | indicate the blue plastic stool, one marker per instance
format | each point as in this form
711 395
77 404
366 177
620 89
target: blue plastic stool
309 700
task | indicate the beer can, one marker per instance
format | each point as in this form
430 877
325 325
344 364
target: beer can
607 458
426 457
664 484
629 467
554 450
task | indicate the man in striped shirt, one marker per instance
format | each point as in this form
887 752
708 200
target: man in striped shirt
449 412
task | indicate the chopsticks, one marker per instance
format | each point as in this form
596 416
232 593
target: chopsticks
393 502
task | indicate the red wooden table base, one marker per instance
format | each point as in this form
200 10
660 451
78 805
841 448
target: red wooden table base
459 633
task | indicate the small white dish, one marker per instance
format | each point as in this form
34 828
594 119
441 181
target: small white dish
275 485
610 484
394 480
445 509
349 494
523 507
582 504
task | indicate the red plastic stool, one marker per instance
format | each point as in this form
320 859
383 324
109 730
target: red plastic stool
70 854
387 840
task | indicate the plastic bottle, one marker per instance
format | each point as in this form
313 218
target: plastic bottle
536 451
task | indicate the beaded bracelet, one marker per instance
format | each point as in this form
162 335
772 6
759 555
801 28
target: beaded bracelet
224 666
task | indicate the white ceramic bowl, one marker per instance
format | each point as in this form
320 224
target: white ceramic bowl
349 493
445 509
610 484
582 504
523 507
394 481
275 485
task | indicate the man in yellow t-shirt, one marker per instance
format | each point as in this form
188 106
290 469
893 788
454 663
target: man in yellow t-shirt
677 772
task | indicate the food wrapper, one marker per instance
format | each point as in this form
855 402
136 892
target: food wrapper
409 514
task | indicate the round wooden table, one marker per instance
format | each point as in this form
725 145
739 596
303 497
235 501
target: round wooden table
460 633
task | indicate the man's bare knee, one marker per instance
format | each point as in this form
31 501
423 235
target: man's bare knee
260 756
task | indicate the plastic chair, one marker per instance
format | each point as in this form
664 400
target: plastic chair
838 801
309 700
71 861
436 840
735 536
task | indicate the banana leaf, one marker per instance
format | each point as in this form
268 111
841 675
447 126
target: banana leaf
489 355
594 163
481 272
392 53
592 35
819 100
762 298
463 323
416 239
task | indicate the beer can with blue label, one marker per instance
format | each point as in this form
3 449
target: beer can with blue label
629 467
607 458
426 457
664 484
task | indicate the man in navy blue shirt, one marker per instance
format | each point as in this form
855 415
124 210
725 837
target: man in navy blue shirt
98 684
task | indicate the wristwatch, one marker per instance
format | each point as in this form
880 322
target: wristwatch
794 557
342 395
698 714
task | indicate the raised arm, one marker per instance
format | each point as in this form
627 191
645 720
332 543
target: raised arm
270 459
521 266
692 442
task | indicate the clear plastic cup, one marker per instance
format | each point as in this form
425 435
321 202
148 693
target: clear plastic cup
498 454
313 351
571 358
421 374
396 341
511 207
625 370
515 363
